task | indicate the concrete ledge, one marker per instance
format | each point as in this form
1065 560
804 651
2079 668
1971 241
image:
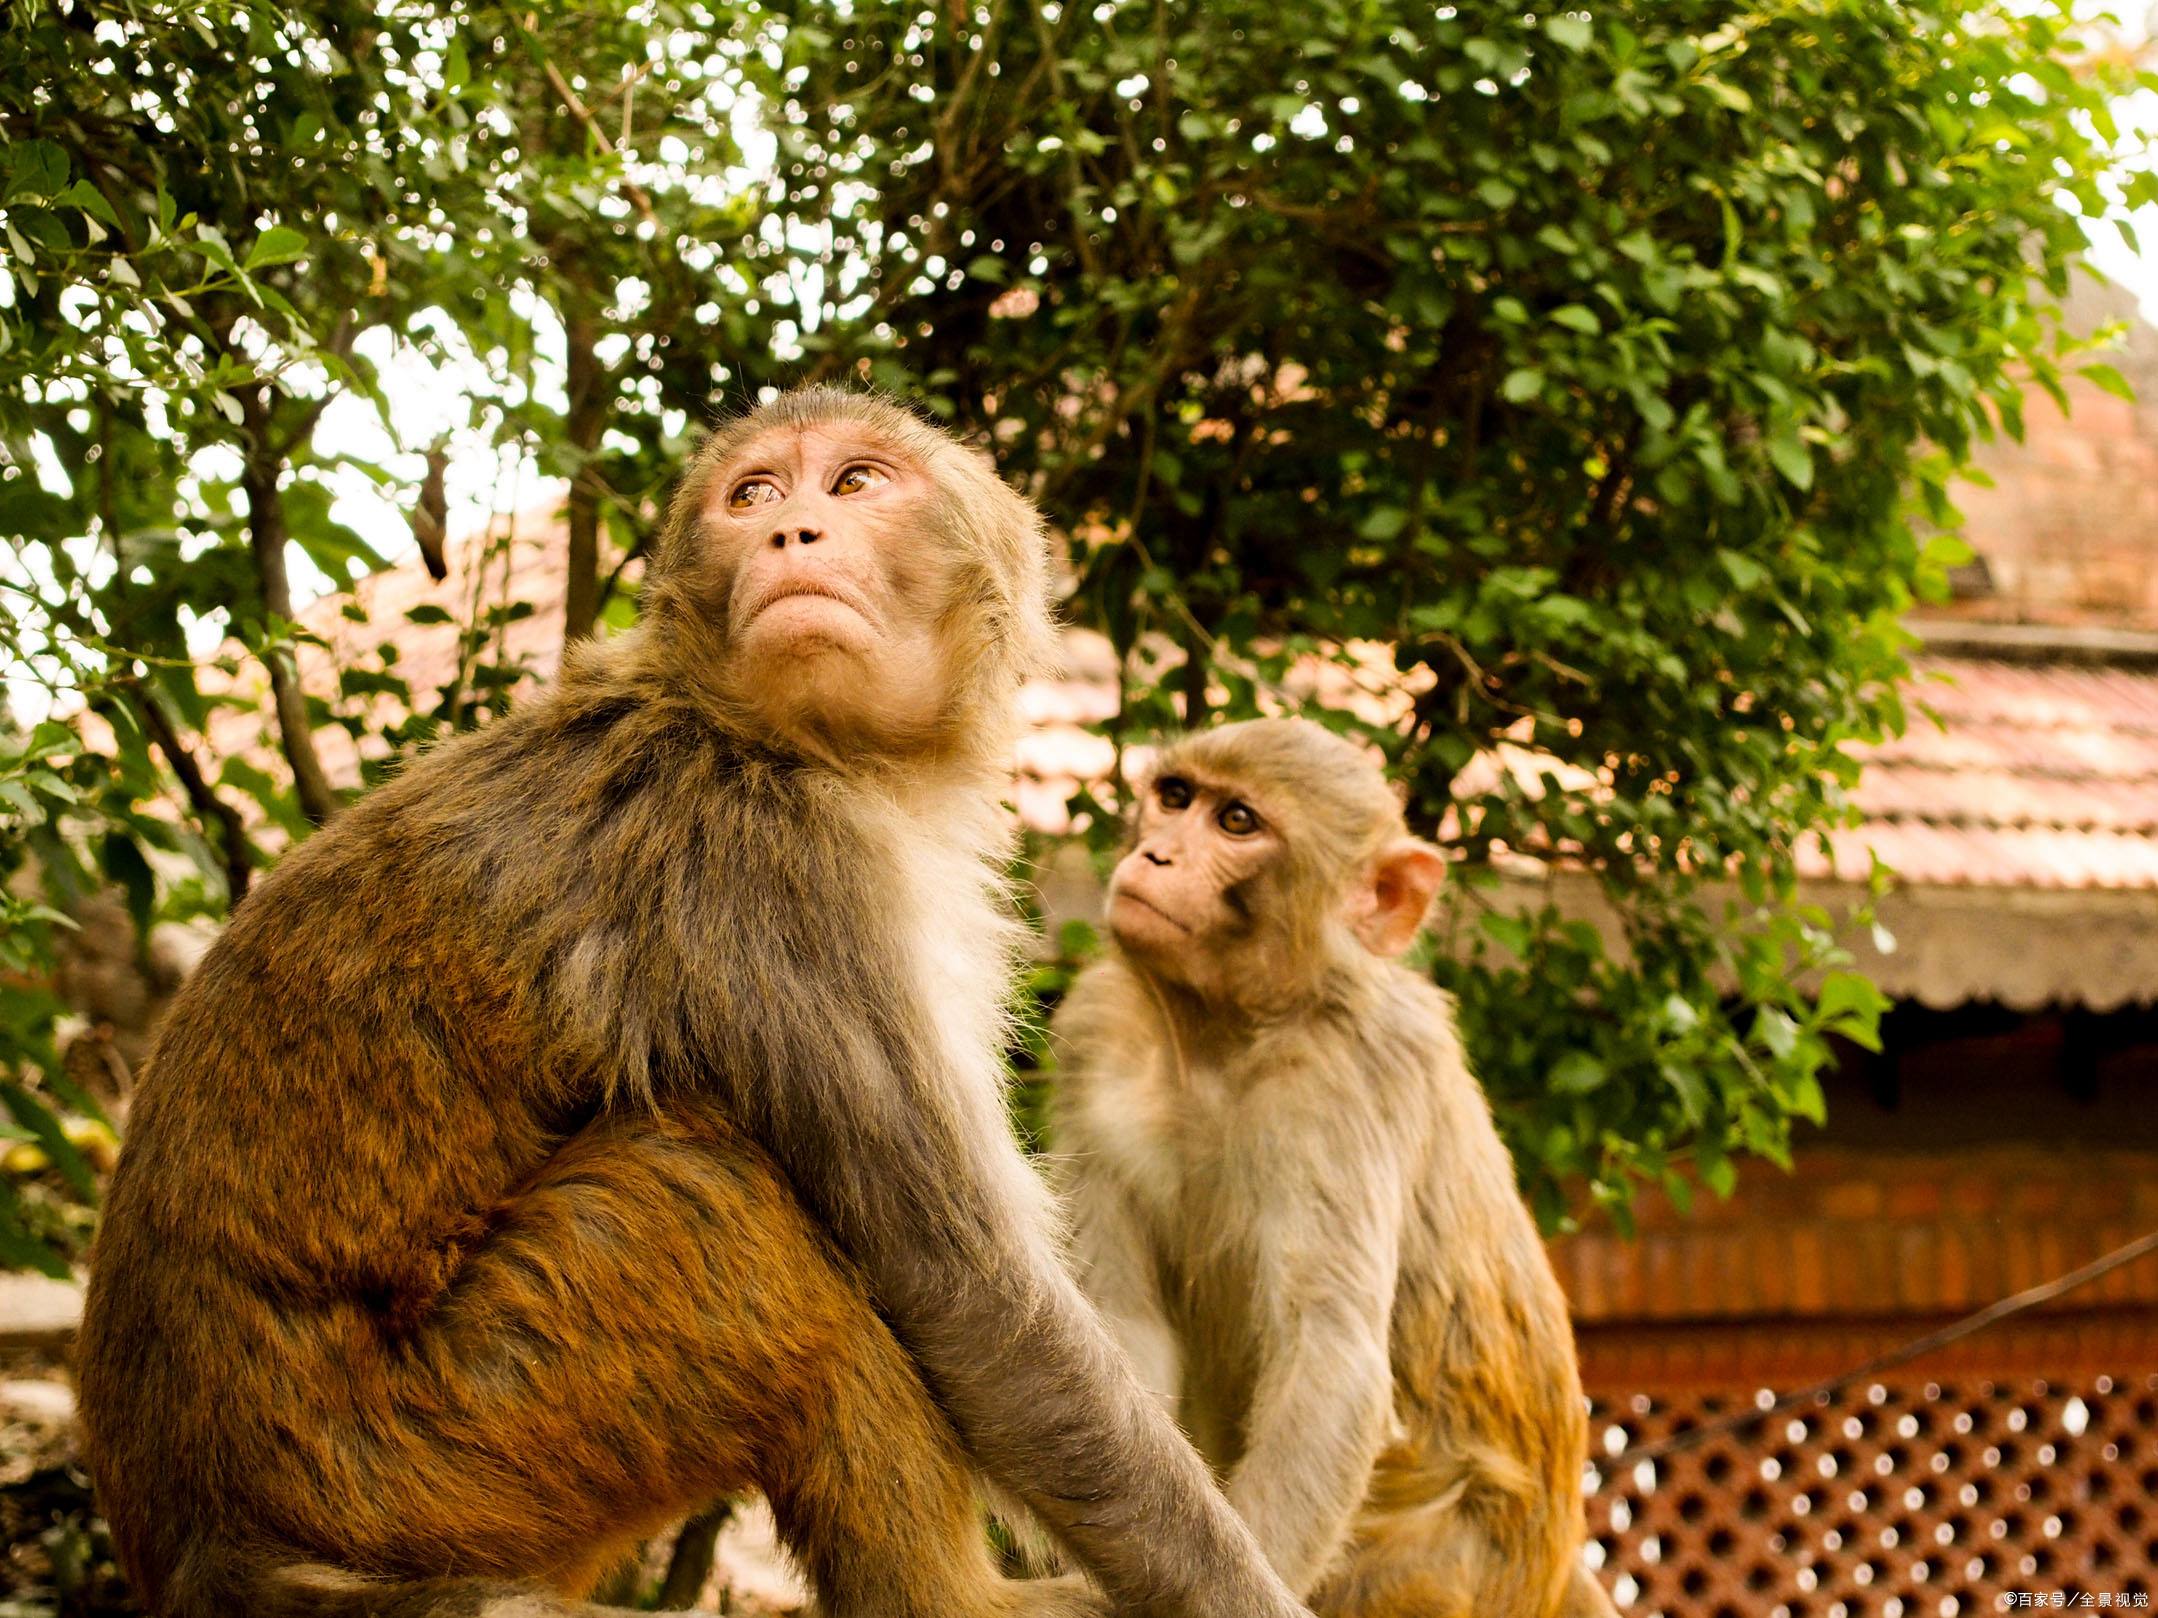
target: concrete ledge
38 1312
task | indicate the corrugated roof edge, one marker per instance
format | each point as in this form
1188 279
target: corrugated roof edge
2133 649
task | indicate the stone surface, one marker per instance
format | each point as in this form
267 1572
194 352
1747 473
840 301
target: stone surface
37 1311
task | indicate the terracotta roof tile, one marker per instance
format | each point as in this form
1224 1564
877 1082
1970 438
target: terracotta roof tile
2038 775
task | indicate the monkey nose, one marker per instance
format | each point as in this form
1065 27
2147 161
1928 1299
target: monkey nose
1153 858
801 536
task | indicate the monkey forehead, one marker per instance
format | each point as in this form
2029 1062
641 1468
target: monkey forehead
864 419
1287 768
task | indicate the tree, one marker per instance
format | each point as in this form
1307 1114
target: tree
1600 367
164 300
209 212
1585 359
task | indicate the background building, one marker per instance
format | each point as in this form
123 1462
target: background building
2006 1133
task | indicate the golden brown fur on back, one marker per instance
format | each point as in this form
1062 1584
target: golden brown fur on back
1289 1199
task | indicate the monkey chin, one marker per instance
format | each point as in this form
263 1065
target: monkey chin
849 702
1144 930
809 626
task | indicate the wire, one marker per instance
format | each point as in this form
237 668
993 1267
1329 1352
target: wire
1820 1392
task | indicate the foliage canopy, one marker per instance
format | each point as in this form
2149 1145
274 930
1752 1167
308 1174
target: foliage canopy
1607 368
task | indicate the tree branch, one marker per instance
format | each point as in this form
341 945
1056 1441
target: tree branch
583 114
213 811
266 537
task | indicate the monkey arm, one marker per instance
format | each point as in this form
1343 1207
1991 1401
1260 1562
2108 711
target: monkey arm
1324 1398
905 1158
1114 1260
945 1231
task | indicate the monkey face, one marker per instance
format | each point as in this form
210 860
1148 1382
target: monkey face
851 581
1187 886
1261 854
834 582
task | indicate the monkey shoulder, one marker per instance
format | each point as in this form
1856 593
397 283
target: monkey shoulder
1098 1028
1399 1031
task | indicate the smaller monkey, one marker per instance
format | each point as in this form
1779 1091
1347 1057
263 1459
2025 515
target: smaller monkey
1288 1199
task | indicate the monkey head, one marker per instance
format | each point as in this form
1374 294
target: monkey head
848 577
1264 856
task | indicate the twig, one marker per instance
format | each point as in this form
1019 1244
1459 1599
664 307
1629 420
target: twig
583 114
267 538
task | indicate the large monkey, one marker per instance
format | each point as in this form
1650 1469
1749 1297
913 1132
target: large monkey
605 1115
1290 1203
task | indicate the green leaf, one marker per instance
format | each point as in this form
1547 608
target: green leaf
1577 317
1689 1087
1789 456
280 244
1383 523
1730 95
1511 933
1575 33
38 1118
82 194
2106 377
1577 1073
1747 575
1522 384
1777 1033
36 170
1851 1005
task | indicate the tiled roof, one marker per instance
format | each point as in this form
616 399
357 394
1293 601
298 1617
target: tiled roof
2035 776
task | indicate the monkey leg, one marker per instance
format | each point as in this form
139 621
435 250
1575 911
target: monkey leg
1587 1598
1447 1559
653 1323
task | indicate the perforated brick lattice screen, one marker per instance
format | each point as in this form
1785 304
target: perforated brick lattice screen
1897 1500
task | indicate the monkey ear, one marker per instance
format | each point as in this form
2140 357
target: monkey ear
1389 909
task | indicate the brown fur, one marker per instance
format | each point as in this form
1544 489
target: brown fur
1290 1202
605 1115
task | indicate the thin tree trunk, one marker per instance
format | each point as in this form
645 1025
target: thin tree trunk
691 1564
1192 678
214 812
586 421
266 535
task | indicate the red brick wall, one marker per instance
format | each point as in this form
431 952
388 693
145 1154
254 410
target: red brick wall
1799 1277
1856 1234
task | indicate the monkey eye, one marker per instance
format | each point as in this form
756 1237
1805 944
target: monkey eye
1237 820
752 492
857 478
1173 792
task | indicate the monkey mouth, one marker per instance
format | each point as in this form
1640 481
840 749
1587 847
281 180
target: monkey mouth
797 589
1143 904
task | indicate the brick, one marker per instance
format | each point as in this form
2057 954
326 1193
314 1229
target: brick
1916 1197
1853 1199
1953 1280
1809 1270
1918 1280
2037 1194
